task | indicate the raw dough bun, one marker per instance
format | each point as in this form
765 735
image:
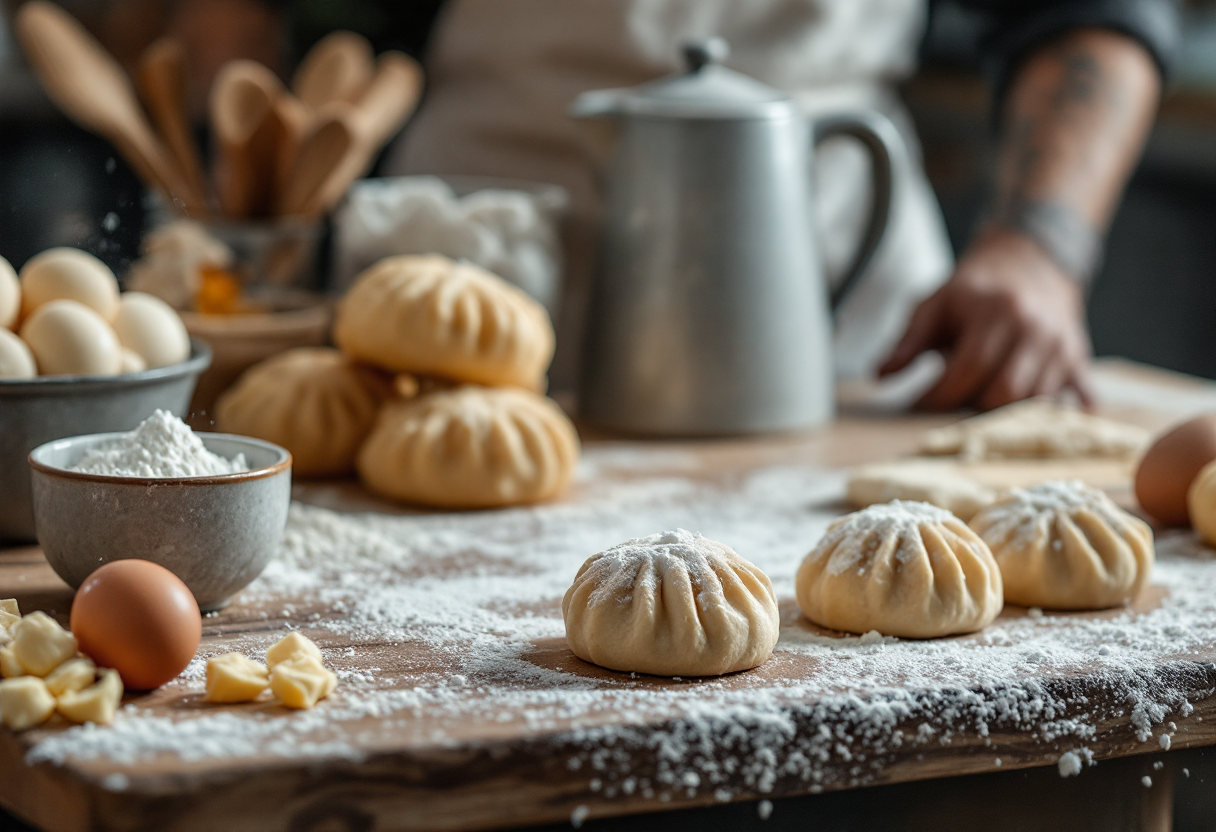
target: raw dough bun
926 483
433 316
1036 429
902 568
10 295
1201 503
1066 546
72 274
151 329
471 447
70 339
314 401
16 360
671 604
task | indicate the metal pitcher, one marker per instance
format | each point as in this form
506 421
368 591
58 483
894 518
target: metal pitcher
710 312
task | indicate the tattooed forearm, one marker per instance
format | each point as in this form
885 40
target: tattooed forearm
1076 118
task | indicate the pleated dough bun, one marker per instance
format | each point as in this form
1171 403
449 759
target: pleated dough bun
1066 546
902 568
470 447
314 401
433 316
671 604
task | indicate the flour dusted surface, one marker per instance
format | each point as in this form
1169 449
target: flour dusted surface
162 446
454 628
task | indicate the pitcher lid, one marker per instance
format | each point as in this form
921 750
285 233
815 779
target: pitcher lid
707 89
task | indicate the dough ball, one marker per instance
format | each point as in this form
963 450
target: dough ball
671 604
314 401
901 568
1168 468
151 329
1201 500
68 338
919 482
1066 546
16 360
10 295
433 316
71 274
470 447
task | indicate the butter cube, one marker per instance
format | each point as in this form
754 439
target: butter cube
233 677
302 681
25 702
96 703
10 668
289 647
71 676
9 605
42 645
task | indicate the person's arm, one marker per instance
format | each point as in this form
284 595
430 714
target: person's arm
1011 319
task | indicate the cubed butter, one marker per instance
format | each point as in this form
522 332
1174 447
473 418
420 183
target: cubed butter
71 676
96 703
9 605
302 681
25 702
42 645
234 677
289 647
10 668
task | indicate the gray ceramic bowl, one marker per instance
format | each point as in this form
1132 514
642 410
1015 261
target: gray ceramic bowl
215 533
37 410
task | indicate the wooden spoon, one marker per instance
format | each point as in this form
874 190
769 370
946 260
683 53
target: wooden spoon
92 89
320 152
161 79
248 136
338 68
380 112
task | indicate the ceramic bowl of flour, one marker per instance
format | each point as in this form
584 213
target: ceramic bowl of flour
216 529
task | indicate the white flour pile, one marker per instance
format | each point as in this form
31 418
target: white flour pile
162 446
476 598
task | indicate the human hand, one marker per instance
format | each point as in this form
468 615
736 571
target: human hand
1010 323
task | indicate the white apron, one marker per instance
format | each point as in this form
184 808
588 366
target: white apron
502 74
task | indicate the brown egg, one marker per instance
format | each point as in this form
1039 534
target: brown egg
1170 465
138 618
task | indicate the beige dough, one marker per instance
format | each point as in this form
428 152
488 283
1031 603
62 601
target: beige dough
671 604
470 447
313 401
433 316
928 483
1065 545
902 568
1036 429
1201 503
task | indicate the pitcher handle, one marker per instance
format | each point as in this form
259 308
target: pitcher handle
884 144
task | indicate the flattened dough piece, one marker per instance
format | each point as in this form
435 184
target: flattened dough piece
928 482
1037 429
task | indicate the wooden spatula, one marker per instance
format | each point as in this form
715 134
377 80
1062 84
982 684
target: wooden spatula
92 89
338 68
320 153
379 113
248 136
161 80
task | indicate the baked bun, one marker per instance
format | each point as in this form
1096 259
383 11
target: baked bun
470 447
433 316
314 401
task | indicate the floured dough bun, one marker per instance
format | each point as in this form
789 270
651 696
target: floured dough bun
152 329
434 316
919 482
68 274
470 447
1066 546
902 568
1201 503
70 339
671 604
10 296
16 360
314 401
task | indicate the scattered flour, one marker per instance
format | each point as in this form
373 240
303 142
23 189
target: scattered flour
162 446
1029 514
477 596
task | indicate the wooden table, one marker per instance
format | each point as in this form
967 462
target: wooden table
423 737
